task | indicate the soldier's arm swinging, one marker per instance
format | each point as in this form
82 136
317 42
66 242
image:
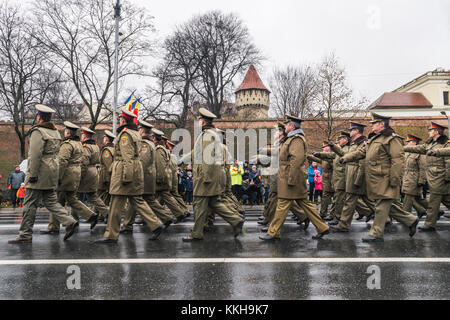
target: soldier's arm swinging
64 155
420 149
356 155
443 152
337 149
422 170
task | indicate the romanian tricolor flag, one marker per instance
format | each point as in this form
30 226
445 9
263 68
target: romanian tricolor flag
132 104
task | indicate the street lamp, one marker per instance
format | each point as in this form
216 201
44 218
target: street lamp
116 62
448 119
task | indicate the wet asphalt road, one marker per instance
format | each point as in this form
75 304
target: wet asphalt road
136 268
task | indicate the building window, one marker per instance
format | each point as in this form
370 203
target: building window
445 98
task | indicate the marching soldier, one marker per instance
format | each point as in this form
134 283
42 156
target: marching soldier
106 161
174 190
42 177
127 181
271 206
327 174
147 158
209 180
89 172
414 178
355 187
69 157
438 172
384 157
164 177
339 177
292 182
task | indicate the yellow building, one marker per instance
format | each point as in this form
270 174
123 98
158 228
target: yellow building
434 85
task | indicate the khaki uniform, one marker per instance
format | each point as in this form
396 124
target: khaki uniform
147 157
384 158
104 175
338 179
414 177
164 181
327 183
43 164
438 175
174 191
127 183
209 182
355 188
69 157
89 177
292 185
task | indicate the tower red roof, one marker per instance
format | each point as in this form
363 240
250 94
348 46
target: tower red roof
252 81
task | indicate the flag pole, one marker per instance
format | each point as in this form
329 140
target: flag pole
116 62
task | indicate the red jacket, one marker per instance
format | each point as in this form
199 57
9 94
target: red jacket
21 193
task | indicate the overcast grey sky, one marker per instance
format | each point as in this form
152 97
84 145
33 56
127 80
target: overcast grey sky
382 43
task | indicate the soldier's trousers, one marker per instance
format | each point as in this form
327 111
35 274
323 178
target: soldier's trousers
118 203
229 200
104 196
417 202
97 204
167 198
202 207
179 200
326 200
283 206
158 209
78 208
357 202
385 208
339 202
271 207
433 208
31 202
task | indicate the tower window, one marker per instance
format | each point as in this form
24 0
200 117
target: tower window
446 98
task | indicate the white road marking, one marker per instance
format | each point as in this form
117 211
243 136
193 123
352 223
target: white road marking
223 260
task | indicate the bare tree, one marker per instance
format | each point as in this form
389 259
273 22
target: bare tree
334 97
79 35
294 90
25 79
62 98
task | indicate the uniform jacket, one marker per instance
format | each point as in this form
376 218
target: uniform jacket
327 170
106 161
414 174
148 165
15 179
70 157
89 172
291 173
437 168
338 178
384 158
163 169
43 162
174 174
209 164
355 181
127 177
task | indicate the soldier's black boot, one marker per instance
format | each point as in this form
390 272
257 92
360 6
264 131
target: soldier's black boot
51 232
306 223
70 230
413 228
268 237
93 220
105 241
20 240
238 228
427 229
370 217
320 235
156 233
167 224
369 239
264 229
180 218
